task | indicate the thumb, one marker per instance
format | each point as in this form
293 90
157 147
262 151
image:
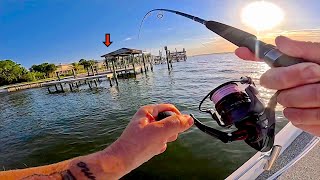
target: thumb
301 49
173 125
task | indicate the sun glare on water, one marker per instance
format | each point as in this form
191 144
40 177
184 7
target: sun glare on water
262 15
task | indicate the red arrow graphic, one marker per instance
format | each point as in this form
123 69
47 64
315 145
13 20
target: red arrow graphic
107 42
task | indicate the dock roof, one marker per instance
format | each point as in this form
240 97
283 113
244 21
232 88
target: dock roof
123 52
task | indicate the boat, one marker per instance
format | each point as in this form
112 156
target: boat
295 155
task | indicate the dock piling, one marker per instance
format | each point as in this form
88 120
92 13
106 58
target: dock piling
110 81
70 87
144 63
167 56
62 90
89 83
114 72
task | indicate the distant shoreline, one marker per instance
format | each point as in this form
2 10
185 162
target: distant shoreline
210 54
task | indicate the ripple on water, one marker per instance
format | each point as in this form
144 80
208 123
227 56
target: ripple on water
39 128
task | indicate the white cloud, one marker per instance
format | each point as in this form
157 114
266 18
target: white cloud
128 39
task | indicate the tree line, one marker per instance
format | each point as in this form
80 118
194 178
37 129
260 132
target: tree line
12 72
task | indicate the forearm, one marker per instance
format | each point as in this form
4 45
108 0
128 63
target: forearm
107 164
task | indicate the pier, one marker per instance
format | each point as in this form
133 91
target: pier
170 57
122 63
91 82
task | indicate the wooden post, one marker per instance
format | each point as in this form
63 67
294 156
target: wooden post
58 75
109 78
55 85
125 67
89 83
70 87
107 62
114 72
62 90
92 70
134 68
144 63
170 60
166 49
97 71
160 57
151 63
77 85
177 58
88 71
74 73
95 82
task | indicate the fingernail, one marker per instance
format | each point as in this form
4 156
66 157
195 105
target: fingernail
190 120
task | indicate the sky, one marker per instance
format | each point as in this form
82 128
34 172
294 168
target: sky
59 31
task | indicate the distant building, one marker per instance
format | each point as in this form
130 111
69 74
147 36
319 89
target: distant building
100 64
63 69
66 69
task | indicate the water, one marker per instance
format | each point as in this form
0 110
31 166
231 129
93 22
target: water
37 128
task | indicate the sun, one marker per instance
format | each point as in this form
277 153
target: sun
262 15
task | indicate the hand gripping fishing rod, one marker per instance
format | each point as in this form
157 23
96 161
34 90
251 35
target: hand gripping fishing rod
269 53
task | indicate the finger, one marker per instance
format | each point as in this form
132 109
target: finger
245 54
163 149
292 76
172 125
173 138
301 49
303 116
155 109
312 129
307 96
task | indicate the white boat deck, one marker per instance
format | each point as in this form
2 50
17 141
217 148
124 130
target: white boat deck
299 159
305 168
296 147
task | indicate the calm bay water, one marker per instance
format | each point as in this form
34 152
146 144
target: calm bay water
37 128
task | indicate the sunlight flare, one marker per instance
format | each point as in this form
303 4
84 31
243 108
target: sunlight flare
262 15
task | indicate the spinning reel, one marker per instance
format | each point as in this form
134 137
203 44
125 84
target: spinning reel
242 109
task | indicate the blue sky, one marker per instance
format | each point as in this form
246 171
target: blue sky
59 31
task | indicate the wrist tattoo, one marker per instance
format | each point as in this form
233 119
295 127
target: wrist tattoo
67 175
84 168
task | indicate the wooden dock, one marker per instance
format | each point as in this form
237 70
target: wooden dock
73 84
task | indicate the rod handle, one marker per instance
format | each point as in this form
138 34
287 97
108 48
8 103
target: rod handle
275 58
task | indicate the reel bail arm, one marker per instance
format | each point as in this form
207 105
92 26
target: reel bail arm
223 136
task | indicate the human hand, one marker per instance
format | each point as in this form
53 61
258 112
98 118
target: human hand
299 84
144 137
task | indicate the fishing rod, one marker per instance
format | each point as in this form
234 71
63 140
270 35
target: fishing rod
267 52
